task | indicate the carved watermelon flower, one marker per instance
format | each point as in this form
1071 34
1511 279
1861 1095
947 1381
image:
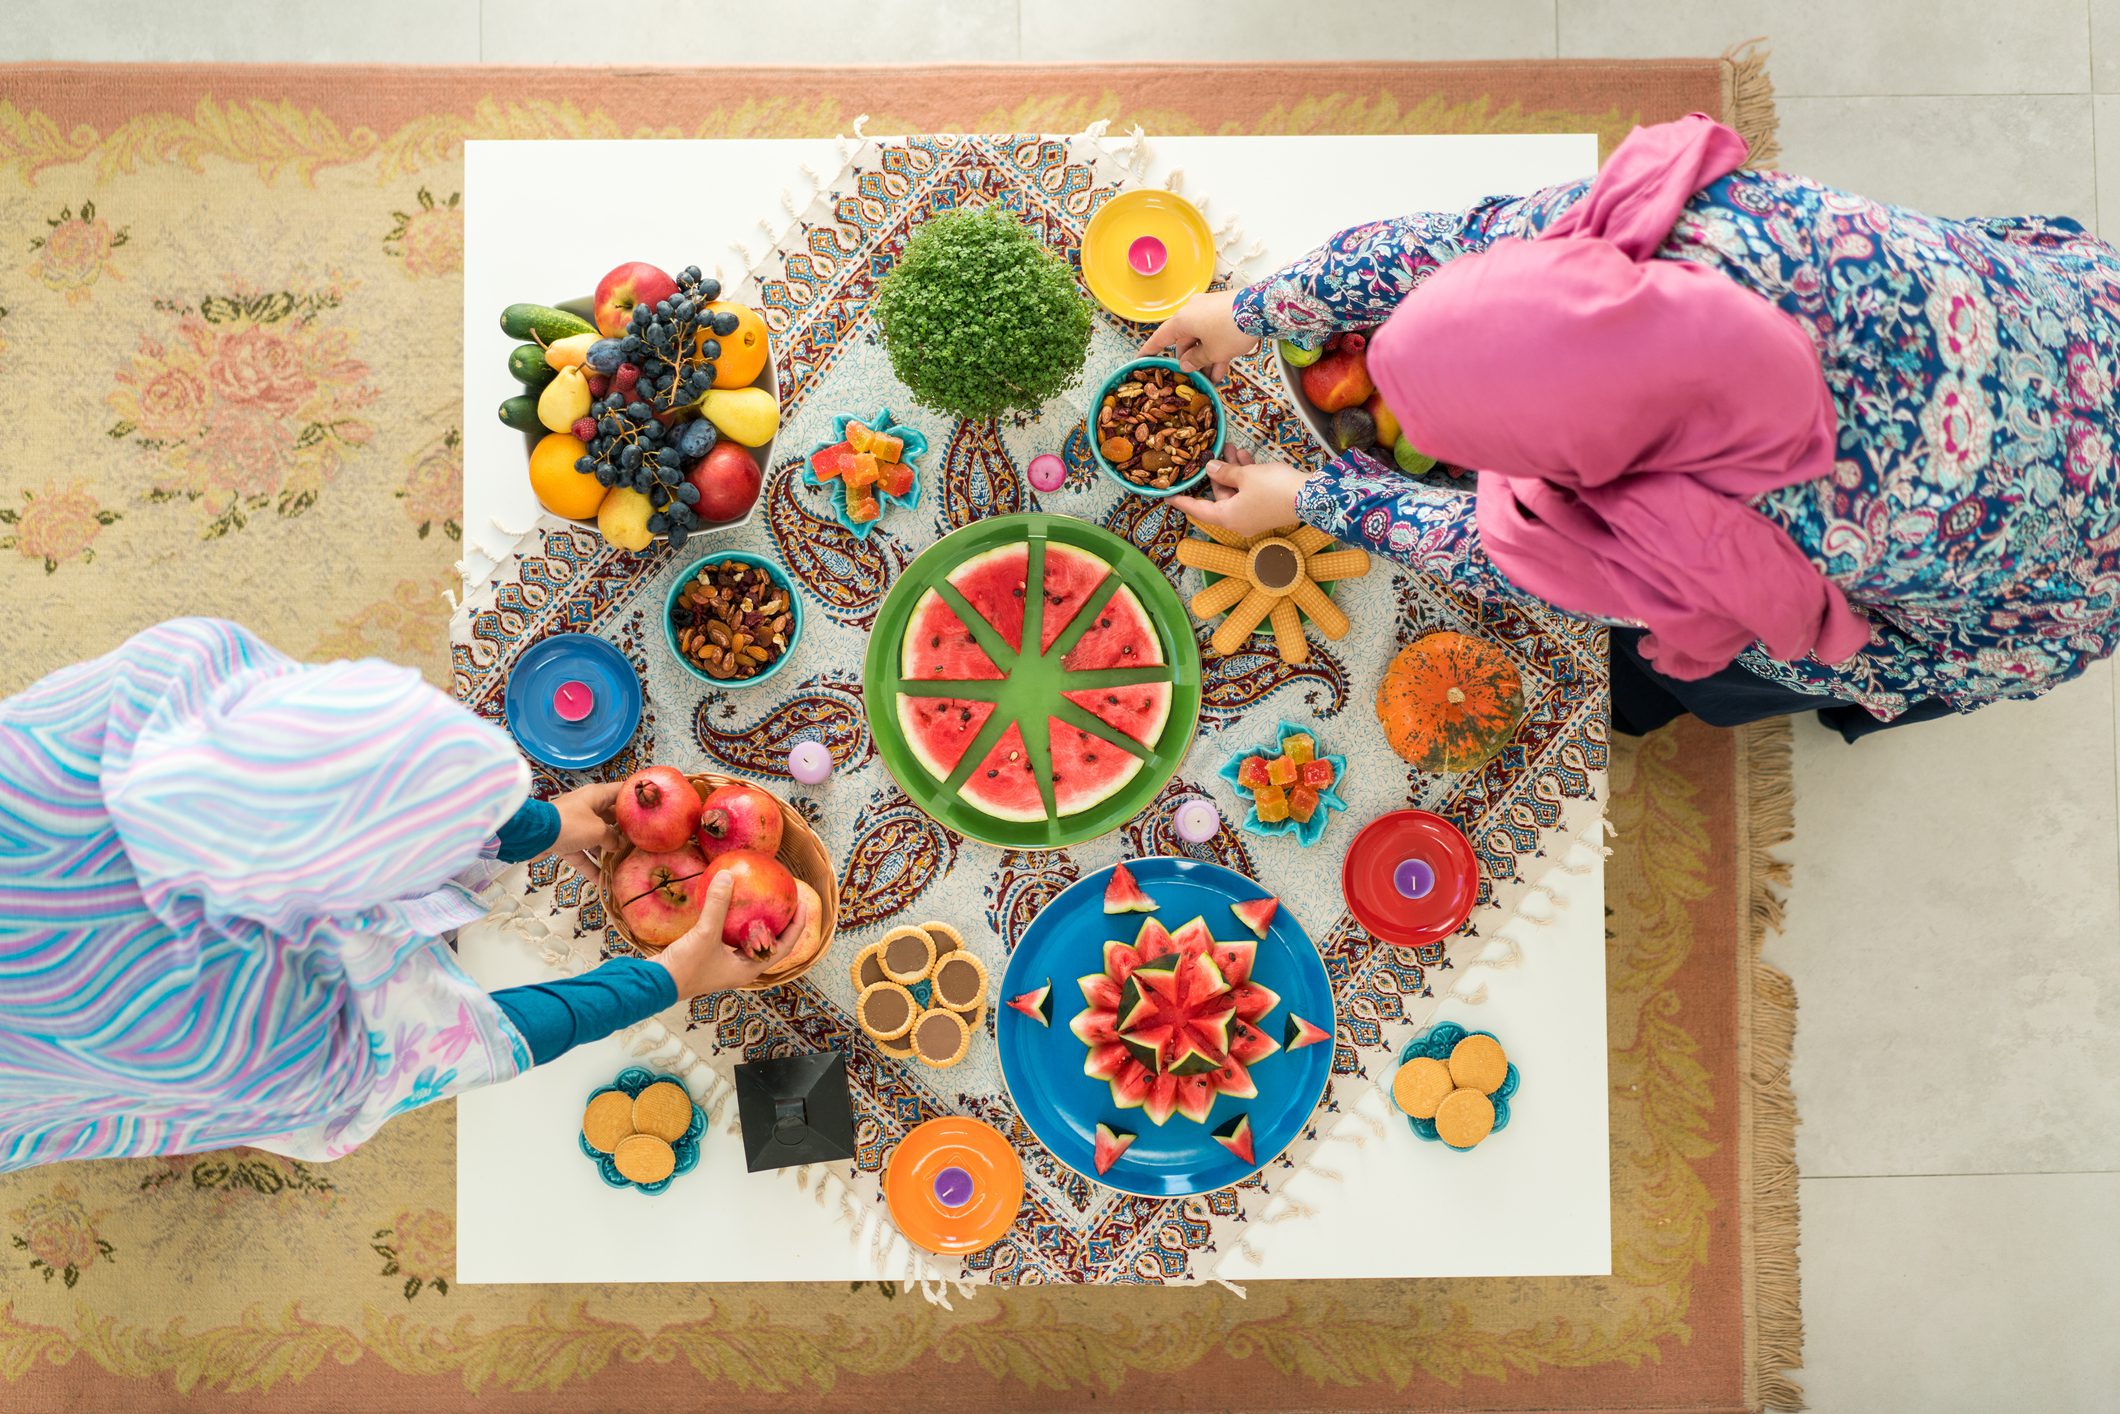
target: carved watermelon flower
76 252
59 1234
420 1246
430 237
56 525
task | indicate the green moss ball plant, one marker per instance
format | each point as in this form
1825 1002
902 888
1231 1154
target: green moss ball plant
980 318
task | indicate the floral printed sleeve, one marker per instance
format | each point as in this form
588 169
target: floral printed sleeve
1427 528
1356 279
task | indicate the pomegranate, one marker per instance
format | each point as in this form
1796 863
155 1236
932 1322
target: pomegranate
763 902
657 808
739 817
658 893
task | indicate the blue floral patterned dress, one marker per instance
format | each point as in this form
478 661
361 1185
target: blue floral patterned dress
1973 512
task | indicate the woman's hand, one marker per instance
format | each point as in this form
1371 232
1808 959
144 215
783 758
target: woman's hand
1203 335
700 962
586 826
1251 497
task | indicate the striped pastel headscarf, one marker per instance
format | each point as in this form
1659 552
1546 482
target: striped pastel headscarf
223 880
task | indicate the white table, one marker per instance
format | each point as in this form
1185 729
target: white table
529 1209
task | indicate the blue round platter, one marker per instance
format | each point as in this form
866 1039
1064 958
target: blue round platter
916 445
547 737
1042 1065
1436 1042
1306 833
632 1081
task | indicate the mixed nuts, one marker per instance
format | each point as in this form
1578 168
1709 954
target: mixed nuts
732 620
1156 428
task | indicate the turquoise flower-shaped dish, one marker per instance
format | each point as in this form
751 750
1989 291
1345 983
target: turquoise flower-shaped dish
916 445
1437 1042
632 1081
1306 833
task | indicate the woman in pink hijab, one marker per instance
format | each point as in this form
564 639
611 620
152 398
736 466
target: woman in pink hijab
1799 449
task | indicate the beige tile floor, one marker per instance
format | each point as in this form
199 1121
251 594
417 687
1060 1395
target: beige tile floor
1954 929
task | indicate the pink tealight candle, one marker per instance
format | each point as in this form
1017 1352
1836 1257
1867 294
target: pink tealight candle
1147 255
573 700
1198 821
1047 472
809 762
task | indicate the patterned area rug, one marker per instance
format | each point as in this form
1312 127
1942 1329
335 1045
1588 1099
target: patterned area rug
274 255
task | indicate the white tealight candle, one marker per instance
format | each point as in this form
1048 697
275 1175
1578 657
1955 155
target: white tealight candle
809 762
1198 821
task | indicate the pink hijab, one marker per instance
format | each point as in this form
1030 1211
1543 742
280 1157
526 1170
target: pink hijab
1620 409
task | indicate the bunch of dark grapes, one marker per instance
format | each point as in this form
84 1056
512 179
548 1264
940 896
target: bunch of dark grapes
664 361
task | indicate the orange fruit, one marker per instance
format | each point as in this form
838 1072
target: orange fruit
559 488
743 353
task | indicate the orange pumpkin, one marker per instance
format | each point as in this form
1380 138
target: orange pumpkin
1449 701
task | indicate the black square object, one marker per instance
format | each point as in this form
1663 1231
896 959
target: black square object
795 1110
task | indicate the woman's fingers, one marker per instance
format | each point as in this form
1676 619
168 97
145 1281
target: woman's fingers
582 864
1168 335
601 798
1205 512
714 907
1229 474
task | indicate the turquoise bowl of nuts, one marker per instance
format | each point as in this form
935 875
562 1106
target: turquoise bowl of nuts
694 631
1121 473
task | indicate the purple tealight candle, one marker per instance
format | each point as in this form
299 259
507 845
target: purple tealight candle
953 1187
809 762
1047 472
1198 821
1414 877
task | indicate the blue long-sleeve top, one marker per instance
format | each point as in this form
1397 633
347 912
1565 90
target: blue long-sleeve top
1973 513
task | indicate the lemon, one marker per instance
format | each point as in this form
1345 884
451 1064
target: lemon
559 488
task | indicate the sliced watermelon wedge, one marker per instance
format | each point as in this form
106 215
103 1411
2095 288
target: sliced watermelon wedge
1122 637
1235 1136
1111 1143
1071 576
1123 894
1296 1033
1257 913
1037 1004
939 730
993 583
1139 710
1087 770
1002 784
938 647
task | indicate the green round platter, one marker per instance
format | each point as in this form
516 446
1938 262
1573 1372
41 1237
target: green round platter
1031 690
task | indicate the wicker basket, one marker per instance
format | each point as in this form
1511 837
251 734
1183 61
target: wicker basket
800 850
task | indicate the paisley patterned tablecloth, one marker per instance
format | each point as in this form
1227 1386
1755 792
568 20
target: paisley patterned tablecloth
1522 810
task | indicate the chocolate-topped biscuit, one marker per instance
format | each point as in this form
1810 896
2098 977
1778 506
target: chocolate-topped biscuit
886 1011
941 1038
906 954
960 982
866 969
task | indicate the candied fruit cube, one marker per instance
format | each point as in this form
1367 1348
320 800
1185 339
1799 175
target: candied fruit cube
1281 771
1272 807
859 436
863 471
1302 803
831 462
896 478
1269 792
1252 774
1299 747
1316 774
888 448
863 506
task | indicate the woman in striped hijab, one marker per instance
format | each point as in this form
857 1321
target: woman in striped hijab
227 881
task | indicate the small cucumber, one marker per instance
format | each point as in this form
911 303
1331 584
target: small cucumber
521 414
542 322
527 365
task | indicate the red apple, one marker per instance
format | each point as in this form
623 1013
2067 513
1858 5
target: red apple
635 282
657 808
739 817
658 894
763 902
728 479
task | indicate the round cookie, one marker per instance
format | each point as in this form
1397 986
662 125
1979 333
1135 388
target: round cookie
1477 1063
941 1038
906 954
886 1011
643 1158
960 982
1421 1085
664 1110
947 939
867 968
1464 1118
608 1120
899 1049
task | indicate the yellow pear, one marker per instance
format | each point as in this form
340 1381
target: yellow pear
747 415
623 519
564 401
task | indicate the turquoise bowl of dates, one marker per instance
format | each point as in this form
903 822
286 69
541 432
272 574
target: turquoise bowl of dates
631 1081
1437 1042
